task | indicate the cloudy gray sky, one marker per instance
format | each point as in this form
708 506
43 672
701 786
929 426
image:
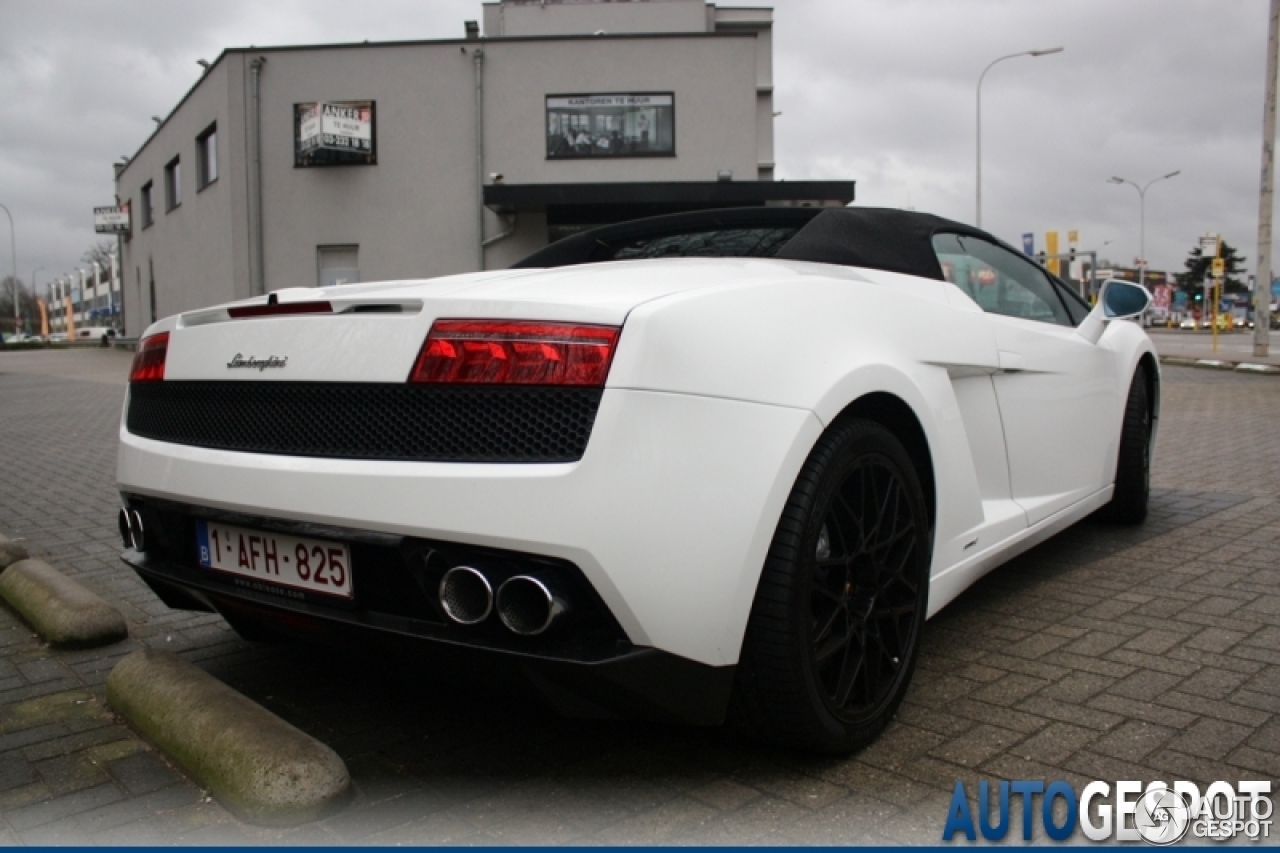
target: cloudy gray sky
879 91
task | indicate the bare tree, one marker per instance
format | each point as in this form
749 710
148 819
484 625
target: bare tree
100 252
26 307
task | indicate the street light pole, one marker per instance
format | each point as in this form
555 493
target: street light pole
1043 52
1142 219
33 281
13 253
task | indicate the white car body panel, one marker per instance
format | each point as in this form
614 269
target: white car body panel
747 361
679 537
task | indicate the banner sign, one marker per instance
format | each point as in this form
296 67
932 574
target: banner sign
1162 296
611 125
1029 244
111 220
335 133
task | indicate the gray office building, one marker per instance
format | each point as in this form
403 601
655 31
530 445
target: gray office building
312 165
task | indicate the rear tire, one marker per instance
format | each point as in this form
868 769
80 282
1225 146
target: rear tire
834 630
1133 467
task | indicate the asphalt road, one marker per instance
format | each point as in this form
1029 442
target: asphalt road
1232 346
1105 653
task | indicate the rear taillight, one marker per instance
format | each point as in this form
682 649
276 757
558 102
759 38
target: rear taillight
148 361
492 352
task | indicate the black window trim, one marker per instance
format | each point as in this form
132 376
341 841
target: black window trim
202 168
147 195
173 169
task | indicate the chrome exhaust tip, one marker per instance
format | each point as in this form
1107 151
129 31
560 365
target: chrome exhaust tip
465 595
126 528
528 607
137 533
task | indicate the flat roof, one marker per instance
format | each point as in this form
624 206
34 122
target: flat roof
697 194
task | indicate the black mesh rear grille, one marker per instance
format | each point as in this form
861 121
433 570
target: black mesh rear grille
356 420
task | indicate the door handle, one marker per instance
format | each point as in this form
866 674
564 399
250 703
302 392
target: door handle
1010 362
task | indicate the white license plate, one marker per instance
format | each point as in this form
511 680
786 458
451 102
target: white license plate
313 565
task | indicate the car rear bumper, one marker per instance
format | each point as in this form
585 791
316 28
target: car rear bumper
625 681
668 515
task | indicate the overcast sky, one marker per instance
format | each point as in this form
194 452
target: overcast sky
878 91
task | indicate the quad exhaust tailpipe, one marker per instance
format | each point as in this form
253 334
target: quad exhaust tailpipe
465 595
528 607
524 604
132 532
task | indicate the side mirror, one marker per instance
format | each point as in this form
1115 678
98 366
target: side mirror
1119 300
1123 300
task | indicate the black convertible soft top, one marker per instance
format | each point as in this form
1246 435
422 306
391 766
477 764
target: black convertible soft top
874 237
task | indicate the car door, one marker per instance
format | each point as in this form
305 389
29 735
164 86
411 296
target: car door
1055 390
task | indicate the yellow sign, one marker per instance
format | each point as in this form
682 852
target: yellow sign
1051 248
1073 238
1219 267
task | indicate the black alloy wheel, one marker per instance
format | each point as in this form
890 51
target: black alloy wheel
834 631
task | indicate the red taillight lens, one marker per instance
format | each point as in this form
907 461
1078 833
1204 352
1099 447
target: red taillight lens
148 361
493 352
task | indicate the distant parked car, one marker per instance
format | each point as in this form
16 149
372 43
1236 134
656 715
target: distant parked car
1188 323
102 334
58 338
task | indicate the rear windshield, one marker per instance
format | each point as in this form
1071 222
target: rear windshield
717 243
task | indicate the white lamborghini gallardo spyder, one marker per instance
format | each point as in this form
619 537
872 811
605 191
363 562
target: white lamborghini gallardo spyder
708 466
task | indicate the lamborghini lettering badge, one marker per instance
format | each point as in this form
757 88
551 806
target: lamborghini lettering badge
259 364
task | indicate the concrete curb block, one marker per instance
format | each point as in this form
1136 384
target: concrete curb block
11 552
1217 364
60 610
1246 367
263 769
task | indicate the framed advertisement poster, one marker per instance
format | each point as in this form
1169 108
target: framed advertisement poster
335 133
604 125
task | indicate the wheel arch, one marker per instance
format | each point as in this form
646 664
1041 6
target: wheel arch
894 414
1151 375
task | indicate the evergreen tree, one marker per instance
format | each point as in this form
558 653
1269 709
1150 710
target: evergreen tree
1197 270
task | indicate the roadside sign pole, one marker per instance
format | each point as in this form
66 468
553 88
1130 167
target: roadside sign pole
1219 270
1262 289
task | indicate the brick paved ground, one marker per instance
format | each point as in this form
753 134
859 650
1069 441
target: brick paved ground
1104 653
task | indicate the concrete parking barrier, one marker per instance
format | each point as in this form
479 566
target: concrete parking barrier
60 610
257 765
10 552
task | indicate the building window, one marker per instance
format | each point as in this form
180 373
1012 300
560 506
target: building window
337 265
611 125
148 209
172 184
207 156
